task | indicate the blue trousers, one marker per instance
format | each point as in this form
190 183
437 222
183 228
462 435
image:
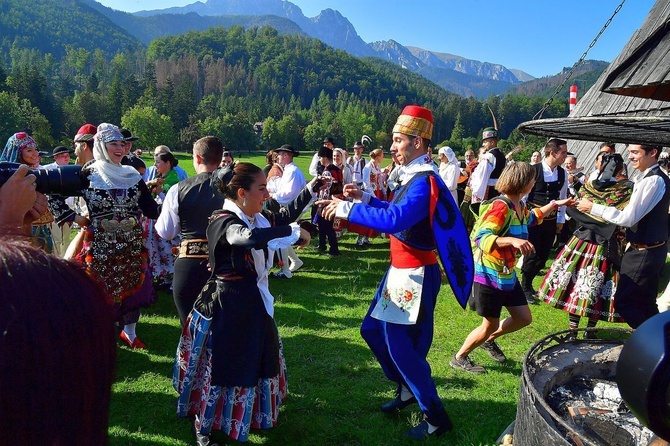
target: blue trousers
402 349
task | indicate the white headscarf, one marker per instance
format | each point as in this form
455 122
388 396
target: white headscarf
108 175
449 153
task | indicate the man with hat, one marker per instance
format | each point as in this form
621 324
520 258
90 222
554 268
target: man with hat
357 163
83 151
285 189
130 158
491 164
421 218
83 144
61 156
128 139
315 167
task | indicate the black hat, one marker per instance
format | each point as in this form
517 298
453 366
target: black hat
134 161
288 148
329 139
61 149
326 152
358 144
127 136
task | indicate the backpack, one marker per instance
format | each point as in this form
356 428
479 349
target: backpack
505 228
486 204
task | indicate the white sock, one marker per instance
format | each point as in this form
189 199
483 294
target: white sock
431 428
405 394
130 331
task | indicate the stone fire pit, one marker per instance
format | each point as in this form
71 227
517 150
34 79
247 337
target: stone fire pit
569 395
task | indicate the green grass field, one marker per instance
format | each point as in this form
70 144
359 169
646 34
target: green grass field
335 383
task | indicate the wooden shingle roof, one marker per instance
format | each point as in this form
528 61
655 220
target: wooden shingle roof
629 103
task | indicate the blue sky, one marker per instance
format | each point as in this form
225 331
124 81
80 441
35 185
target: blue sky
540 37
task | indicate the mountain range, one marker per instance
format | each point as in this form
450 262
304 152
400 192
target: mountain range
457 74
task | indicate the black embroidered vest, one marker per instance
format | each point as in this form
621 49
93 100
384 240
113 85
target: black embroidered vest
197 201
544 192
653 227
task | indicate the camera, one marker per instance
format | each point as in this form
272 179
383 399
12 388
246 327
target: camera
67 181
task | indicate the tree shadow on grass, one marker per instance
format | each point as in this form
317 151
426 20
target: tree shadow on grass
137 415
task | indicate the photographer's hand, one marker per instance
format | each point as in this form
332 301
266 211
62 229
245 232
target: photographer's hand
40 207
17 199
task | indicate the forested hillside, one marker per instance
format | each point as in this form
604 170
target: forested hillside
222 82
50 26
584 77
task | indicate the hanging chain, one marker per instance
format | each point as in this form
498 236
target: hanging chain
546 105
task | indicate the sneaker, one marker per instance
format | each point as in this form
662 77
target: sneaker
465 363
359 242
494 351
281 275
366 241
295 265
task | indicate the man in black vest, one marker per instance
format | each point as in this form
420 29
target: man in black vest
646 220
186 210
487 172
550 184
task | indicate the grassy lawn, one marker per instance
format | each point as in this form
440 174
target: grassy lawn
335 383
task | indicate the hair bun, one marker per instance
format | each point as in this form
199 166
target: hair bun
220 179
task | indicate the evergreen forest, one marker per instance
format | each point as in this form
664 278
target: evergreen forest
254 88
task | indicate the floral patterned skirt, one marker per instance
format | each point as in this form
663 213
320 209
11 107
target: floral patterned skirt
581 281
161 257
233 410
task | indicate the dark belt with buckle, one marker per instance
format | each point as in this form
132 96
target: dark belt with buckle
194 249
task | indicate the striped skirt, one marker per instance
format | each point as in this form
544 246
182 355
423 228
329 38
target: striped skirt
582 282
233 410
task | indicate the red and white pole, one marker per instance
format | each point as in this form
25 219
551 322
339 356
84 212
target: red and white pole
573 97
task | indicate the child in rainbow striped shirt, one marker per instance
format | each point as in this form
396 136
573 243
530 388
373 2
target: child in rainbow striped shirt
499 234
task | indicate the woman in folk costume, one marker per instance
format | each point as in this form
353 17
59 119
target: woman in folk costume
449 170
373 175
230 371
22 149
583 278
339 161
374 182
161 258
113 248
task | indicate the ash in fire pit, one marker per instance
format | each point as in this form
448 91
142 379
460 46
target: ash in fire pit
569 396
595 407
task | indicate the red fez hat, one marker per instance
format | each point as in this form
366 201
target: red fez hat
415 121
85 133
